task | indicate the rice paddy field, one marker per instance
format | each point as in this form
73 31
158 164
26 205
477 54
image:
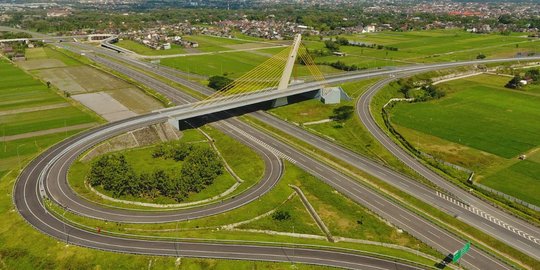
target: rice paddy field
19 90
487 126
413 47
443 45
26 106
233 64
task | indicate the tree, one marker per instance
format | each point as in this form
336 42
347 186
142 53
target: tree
533 74
181 151
481 56
343 113
405 86
114 174
434 92
201 168
219 83
342 41
331 45
514 83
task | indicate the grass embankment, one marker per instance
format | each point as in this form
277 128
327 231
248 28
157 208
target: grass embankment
483 126
246 163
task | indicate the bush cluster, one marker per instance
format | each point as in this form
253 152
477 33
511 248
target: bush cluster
281 215
342 66
200 168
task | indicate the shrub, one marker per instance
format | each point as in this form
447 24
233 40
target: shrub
220 83
281 215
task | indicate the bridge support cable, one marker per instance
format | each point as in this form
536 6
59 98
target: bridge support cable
263 76
274 73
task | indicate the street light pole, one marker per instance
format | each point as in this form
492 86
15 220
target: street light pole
176 240
292 259
64 222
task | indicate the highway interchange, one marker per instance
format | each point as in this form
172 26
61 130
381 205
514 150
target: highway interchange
28 193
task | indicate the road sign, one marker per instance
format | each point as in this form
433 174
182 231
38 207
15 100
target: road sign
460 252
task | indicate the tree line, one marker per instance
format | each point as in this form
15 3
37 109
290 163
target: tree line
200 167
531 76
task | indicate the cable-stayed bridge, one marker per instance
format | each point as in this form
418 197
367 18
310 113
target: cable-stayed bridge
270 81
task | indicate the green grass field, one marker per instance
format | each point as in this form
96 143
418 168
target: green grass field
232 64
423 45
145 50
213 44
322 195
521 180
481 115
428 46
483 126
50 53
206 44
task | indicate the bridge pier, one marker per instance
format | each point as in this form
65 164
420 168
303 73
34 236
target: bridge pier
282 101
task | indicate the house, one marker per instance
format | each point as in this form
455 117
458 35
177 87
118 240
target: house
369 29
58 13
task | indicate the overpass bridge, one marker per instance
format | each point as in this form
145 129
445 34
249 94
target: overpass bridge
90 37
268 82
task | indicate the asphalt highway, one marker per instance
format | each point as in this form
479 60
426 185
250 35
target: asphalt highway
28 199
118 66
29 195
507 228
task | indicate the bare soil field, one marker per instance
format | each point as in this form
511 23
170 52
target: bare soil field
40 64
105 105
81 79
135 100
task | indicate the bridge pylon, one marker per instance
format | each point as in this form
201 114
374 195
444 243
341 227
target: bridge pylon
287 72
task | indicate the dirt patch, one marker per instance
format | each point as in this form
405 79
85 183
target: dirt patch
135 100
105 105
81 79
40 64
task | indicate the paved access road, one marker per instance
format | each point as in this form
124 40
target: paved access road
509 229
430 236
51 166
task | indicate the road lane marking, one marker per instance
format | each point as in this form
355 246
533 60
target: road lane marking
489 218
